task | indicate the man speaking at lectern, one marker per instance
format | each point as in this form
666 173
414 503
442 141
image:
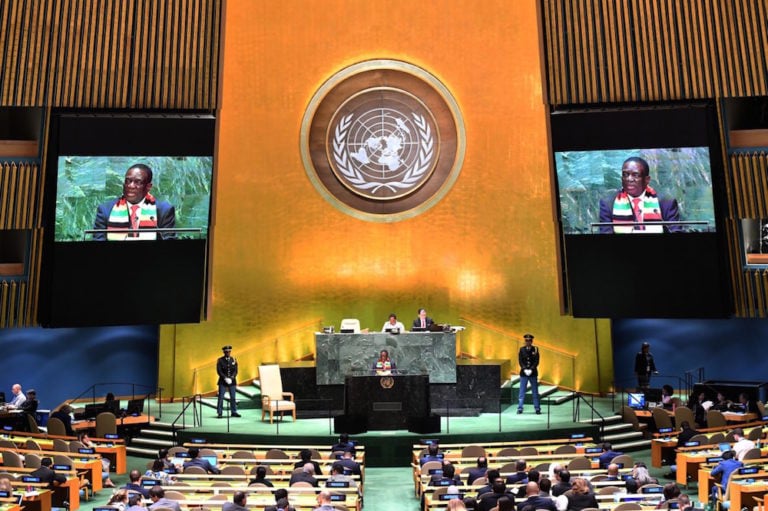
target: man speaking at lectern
136 209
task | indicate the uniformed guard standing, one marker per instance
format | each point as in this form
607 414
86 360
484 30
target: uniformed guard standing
226 367
528 356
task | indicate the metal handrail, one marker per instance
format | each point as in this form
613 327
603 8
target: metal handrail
156 392
197 413
578 398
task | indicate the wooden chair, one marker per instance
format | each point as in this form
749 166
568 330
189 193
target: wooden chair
32 445
431 465
609 490
755 434
752 454
529 451
661 418
716 419
221 484
276 454
12 459
220 496
624 459
565 449
684 414
60 445
701 438
106 423
233 470
32 460
473 451
269 469
629 416
624 506
7 444
542 467
716 438
194 470
173 451
174 495
301 484
32 424
580 463
273 398
56 427
243 455
75 446
508 451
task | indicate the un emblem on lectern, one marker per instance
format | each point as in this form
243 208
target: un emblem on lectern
383 140
387 382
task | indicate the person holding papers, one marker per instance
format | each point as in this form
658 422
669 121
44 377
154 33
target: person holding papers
384 365
393 325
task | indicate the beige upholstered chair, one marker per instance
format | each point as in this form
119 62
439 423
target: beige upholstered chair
12 459
715 419
56 427
273 398
684 414
661 418
350 324
106 423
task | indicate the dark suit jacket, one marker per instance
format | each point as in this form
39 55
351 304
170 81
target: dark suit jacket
204 464
137 488
166 218
226 369
669 213
417 322
303 476
538 502
47 475
476 473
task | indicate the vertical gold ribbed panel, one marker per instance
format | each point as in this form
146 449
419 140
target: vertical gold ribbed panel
18 194
110 53
603 51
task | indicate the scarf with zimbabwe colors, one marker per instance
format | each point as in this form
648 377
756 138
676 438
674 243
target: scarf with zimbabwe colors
648 207
120 220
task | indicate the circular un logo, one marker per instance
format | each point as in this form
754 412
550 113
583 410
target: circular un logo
387 382
383 140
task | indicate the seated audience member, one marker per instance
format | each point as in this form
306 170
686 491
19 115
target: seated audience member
632 485
456 505
64 414
699 405
30 404
684 503
239 500
305 456
324 502
724 469
668 397
134 483
447 478
520 476
5 485
168 466
343 444
18 397
670 491
196 461
641 475
579 497
607 455
350 465
119 499
157 496
479 471
337 474
489 500
545 487
135 502
612 472
562 484
158 472
470 503
533 477
261 477
491 476
433 454
281 500
506 504
747 404
393 324
84 439
307 474
686 433
742 444
47 474
722 404
534 499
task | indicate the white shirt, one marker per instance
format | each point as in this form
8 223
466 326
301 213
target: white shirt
398 325
742 446
18 400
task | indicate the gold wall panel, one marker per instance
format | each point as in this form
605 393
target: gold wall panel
285 262
605 51
110 53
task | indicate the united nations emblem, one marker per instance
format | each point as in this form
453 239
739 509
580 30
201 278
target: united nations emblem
387 382
383 140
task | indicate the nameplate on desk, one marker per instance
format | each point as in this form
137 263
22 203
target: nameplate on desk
715 459
30 479
197 440
62 467
652 489
338 497
578 435
451 496
111 436
86 450
444 482
748 470
695 443
593 450
337 484
665 430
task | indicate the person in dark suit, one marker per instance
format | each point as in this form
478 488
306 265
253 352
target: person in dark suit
136 209
226 368
637 205
489 500
644 367
563 483
261 477
305 456
520 476
607 455
528 356
479 471
64 415
343 444
423 321
134 484
307 474
47 474
196 461
157 496
534 499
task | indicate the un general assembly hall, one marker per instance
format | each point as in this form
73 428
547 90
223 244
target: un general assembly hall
338 241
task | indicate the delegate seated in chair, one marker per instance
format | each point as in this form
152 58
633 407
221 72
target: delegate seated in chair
273 398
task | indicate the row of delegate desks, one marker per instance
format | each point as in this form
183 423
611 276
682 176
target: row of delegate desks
452 451
89 463
663 445
734 417
745 489
690 458
40 498
114 450
263 496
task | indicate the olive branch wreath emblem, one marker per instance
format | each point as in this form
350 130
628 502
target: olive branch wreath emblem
357 179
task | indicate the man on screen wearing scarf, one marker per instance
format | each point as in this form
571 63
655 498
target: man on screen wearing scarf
136 209
636 207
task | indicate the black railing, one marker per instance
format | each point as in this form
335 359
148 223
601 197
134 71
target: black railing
146 392
579 398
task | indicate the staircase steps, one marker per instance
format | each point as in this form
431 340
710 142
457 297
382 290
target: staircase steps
149 439
620 434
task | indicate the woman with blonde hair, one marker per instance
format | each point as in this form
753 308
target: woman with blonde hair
579 496
119 499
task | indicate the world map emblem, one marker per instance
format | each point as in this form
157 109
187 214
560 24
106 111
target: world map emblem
382 140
